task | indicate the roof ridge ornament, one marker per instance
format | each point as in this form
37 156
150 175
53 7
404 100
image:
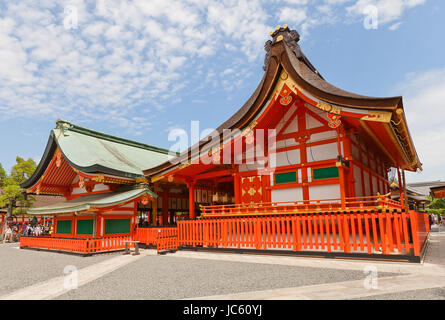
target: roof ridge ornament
290 37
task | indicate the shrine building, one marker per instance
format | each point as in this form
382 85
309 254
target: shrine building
301 168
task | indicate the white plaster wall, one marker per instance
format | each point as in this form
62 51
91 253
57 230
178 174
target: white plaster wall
100 187
358 182
286 143
311 122
367 186
293 126
283 195
128 205
287 158
355 152
249 167
119 213
327 191
78 190
286 117
322 152
322 136
374 186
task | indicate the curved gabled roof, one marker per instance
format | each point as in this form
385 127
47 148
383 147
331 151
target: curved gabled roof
284 54
98 153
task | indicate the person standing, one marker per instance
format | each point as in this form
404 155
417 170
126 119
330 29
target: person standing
8 234
24 228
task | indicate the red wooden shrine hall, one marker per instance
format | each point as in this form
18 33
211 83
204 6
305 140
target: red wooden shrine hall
301 154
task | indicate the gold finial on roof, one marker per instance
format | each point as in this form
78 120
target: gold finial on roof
278 27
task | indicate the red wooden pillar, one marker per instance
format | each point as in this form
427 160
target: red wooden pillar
165 205
191 186
402 200
341 172
236 182
303 153
98 226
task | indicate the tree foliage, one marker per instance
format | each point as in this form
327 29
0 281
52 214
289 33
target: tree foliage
12 195
436 206
2 175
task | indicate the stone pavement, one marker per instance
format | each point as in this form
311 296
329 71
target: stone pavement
128 277
430 274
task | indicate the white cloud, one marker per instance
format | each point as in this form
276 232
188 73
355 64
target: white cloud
424 100
388 10
127 58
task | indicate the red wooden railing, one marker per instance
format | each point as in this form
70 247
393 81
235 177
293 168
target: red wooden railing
164 238
84 246
374 232
303 206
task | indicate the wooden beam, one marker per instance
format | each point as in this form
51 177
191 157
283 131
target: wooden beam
213 174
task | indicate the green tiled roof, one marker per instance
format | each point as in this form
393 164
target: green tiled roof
92 201
86 148
94 152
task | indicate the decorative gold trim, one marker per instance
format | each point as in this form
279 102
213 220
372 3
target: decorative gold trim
99 178
328 107
378 116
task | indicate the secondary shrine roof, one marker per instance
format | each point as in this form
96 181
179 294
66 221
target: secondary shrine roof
93 152
95 201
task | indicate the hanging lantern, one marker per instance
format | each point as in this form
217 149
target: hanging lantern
170 178
144 200
81 182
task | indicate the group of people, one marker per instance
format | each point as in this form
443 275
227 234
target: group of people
437 220
13 233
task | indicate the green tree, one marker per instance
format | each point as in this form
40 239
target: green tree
436 206
2 176
12 195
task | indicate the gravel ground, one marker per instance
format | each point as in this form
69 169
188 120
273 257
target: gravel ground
21 268
426 294
167 277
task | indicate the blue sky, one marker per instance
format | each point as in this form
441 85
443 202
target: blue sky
138 69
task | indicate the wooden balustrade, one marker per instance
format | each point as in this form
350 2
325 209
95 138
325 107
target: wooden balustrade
83 246
303 206
164 238
349 232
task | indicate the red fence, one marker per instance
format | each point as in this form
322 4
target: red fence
304 206
164 238
84 246
387 233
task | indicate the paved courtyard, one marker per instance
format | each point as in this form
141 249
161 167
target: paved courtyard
27 274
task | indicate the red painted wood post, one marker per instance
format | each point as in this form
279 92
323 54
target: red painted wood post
334 231
346 232
315 220
258 233
360 230
352 218
328 234
415 232
374 232
383 234
304 238
389 232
